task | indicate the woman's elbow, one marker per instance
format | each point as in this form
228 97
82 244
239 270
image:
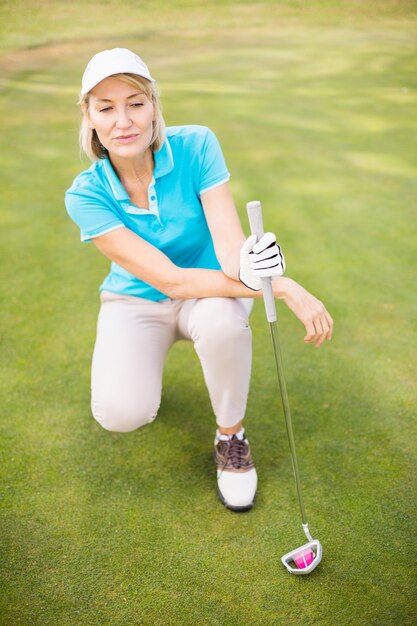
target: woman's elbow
172 285
170 290
179 285
175 290
229 263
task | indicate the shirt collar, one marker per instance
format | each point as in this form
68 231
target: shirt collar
164 161
164 164
117 188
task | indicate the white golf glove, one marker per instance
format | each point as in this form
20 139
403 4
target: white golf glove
260 260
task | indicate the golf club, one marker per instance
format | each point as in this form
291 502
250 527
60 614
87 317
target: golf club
304 559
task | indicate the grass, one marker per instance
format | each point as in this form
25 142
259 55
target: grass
314 104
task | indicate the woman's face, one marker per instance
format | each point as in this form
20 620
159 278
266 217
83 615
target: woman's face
122 117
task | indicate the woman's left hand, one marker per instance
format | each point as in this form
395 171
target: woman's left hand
310 311
262 259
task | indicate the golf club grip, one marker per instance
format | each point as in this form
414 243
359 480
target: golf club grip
254 210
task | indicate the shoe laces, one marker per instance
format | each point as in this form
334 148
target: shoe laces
235 453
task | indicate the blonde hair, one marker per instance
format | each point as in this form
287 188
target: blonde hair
88 138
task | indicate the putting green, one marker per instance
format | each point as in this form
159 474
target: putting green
315 106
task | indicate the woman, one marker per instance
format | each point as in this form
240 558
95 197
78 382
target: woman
156 201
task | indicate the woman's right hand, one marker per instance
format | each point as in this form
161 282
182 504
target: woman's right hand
309 310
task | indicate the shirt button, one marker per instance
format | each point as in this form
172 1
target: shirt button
153 198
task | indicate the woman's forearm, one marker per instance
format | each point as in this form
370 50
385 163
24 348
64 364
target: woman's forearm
202 283
199 283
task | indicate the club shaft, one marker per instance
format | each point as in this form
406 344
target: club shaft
254 210
287 413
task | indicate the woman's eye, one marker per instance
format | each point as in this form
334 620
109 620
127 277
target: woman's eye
134 104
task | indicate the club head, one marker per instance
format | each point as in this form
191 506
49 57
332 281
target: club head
304 559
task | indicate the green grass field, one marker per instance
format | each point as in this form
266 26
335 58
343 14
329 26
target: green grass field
315 106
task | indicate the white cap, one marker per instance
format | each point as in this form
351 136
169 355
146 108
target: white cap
109 62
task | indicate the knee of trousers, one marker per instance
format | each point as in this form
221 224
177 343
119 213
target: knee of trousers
123 417
221 326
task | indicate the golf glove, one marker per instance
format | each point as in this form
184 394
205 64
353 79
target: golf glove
260 260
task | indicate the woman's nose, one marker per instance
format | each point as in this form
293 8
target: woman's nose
123 119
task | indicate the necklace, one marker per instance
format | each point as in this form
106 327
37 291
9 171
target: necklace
139 178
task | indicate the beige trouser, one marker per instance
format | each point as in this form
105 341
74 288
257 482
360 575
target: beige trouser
133 339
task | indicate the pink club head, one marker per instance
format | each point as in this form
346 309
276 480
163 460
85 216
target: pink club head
304 559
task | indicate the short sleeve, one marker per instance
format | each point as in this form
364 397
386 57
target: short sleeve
213 170
92 216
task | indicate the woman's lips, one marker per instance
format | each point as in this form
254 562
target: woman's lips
126 138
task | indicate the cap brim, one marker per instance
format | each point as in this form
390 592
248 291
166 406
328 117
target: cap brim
88 86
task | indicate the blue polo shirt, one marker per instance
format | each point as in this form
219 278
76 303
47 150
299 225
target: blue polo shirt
189 163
